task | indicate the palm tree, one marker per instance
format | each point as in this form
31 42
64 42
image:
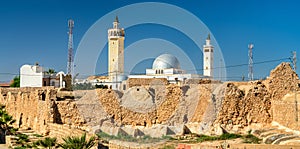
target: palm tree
50 71
47 142
6 122
78 142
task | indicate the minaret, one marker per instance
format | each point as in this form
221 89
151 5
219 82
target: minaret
116 36
208 58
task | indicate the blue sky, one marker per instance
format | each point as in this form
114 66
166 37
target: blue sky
36 30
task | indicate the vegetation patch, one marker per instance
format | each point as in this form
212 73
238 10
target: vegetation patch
250 138
128 138
195 138
168 147
37 135
225 136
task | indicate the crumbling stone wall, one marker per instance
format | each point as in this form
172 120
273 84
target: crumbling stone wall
205 97
263 102
286 113
122 115
240 109
241 104
63 131
68 113
146 81
283 81
35 108
28 106
168 107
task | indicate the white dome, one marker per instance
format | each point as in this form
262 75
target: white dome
166 61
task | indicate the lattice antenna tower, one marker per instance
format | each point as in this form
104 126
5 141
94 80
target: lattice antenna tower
294 60
70 47
250 64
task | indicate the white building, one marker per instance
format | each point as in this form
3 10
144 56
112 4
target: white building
34 76
167 66
31 76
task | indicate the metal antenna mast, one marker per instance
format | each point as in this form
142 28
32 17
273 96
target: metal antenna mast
295 88
294 60
250 65
70 47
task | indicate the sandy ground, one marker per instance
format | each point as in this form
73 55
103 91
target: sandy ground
3 146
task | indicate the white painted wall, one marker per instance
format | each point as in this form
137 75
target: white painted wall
31 76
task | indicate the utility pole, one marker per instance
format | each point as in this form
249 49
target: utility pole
295 87
250 64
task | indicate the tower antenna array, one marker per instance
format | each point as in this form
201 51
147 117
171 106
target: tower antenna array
250 65
70 47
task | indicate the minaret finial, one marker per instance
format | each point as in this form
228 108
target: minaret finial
208 37
117 19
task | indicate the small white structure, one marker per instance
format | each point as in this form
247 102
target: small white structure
31 76
61 74
208 58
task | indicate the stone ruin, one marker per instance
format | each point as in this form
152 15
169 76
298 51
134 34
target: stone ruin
156 108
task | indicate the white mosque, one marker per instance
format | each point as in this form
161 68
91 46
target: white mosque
164 66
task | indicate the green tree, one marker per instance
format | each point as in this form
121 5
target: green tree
6 122
50 71
22 140
78 142
47 143
16 82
